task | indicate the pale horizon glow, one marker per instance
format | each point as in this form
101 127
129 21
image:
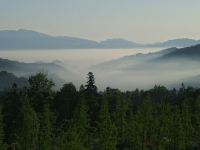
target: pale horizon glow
135 20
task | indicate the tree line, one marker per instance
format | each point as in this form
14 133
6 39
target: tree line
38 118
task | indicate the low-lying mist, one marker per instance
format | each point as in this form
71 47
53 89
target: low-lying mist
147 75
146 70
123 69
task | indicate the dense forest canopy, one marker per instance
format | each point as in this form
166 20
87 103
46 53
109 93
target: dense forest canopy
39 118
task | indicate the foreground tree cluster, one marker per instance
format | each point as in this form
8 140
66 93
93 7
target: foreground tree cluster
39 118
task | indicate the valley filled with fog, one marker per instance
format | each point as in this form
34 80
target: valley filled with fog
117 68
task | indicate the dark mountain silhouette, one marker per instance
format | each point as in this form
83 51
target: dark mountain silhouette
171 55
55 71
8 79
188 53
28 39
20 68
175 43
133 59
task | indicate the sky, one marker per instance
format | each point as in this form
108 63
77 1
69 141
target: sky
142 21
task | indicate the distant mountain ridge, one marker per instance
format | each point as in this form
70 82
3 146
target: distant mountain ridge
28 39
169 67
8 79
30 68
184 42
54 71
119 43
187 53
170 55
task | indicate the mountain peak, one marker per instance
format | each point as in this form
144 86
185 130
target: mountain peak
29 39
119 43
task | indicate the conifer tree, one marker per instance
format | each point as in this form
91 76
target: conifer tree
81 122
77 135
144 125
162 126
107 129
131 132
29 130
73 141
197 121
187 123
1 128
46 130
82 88
41 97
40 91
177 131
12 116
91 96
121 121
90 86
65 102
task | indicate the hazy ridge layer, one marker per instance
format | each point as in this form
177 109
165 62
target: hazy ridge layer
28 39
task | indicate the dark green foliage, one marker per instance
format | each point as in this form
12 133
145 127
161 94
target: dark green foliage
65 102
197 121
76 135
1 128
80 123
46 130
107 130
38 118
82 88
40 91
41 97
29 130
12 106
21 121
163 125
145 125
91 97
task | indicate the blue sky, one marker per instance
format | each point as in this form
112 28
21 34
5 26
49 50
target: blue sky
136 20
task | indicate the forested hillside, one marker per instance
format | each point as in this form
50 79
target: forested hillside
38 118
